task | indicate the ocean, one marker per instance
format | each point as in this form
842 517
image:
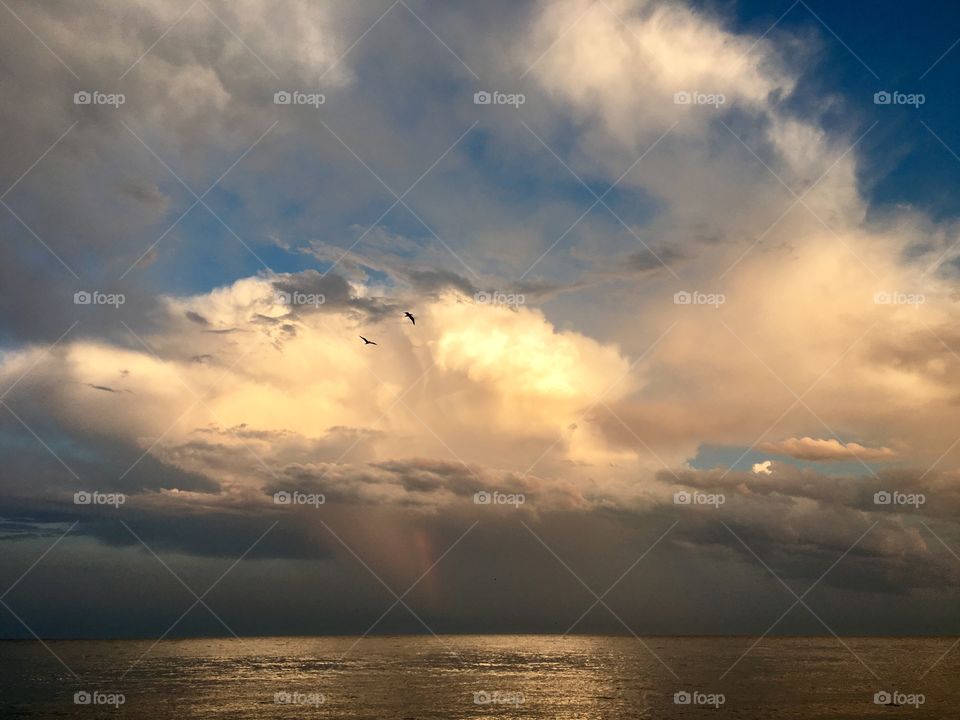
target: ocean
483 676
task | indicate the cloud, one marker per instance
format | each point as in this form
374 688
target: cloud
807 448
590 396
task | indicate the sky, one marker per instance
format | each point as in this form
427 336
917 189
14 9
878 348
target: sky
684 352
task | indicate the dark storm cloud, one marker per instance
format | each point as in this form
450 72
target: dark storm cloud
421 482
336 294
799 521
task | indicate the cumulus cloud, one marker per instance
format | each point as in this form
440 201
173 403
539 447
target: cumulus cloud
807 448
221 381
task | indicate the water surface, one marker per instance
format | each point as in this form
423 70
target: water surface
479 677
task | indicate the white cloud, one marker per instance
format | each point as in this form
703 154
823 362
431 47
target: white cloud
762 468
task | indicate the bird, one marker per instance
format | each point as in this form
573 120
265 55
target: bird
367 342
410 315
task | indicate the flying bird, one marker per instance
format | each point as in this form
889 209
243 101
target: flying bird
412 319
367 342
